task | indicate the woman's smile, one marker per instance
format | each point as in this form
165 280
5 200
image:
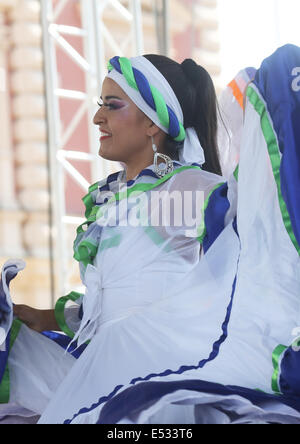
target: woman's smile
104 135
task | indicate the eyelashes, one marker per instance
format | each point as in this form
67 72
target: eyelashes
108 105
111 106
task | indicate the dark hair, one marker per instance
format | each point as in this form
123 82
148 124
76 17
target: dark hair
196 94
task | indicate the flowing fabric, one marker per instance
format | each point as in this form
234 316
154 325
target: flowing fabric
9 272
265 313
190 322
231 120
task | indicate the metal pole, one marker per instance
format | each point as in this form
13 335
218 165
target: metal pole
162 23
138 38
92 82
100 168
166 27
93 64
56 182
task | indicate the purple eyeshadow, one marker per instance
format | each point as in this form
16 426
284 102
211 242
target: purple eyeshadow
118 104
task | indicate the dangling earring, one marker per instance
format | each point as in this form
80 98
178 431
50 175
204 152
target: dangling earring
161 169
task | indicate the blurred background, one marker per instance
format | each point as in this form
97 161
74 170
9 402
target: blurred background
53 57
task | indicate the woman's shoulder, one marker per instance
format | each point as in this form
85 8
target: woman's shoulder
98 189
194 177
105 183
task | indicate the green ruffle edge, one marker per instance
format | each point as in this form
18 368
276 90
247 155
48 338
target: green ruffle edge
275 158
59 312
85 252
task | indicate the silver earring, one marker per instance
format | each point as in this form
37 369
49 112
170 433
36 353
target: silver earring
161 169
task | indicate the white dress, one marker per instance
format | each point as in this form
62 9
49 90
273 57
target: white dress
137 324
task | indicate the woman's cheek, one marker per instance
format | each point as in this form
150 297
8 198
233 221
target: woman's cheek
124 115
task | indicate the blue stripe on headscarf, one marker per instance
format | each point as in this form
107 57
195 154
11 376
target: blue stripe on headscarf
144 88
174 127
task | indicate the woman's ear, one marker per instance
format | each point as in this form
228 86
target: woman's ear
152 129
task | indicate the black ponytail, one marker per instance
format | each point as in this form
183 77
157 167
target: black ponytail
196 94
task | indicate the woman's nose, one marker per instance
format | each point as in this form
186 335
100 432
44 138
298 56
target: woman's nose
98 117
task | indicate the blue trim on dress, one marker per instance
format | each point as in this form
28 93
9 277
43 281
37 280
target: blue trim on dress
4 313
142 396
64 341
214 217
115 177
214 353
274 82
146 172
289 380
104 188
4 357
251 72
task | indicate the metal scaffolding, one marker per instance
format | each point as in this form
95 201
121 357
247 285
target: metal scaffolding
96 38
161 12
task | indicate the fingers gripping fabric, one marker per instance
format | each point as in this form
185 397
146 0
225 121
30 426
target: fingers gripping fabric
150 94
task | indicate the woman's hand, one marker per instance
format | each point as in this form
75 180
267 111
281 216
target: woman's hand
38 320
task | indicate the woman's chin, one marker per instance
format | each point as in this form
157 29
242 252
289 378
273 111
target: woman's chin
107 156
104 154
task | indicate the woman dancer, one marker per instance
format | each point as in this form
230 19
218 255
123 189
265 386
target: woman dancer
155 309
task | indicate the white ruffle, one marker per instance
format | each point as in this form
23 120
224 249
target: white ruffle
16 266
91 304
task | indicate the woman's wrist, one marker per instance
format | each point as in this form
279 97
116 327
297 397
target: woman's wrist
38 320
49 321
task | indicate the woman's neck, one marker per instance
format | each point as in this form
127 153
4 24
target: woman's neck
131 174
134 170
